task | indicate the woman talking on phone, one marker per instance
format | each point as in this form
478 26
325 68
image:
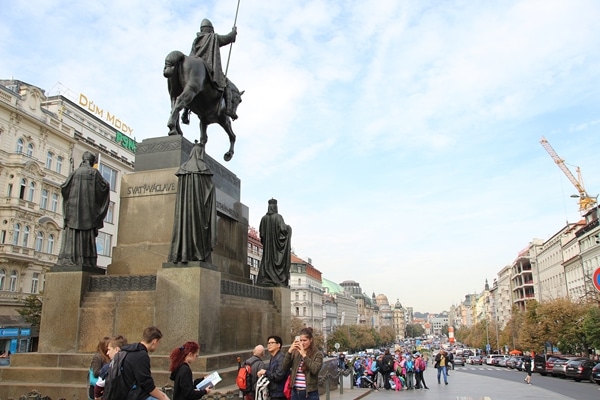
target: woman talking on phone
305 361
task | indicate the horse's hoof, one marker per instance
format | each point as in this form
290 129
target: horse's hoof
228 156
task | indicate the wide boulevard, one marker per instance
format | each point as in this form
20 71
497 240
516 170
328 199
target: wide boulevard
484 383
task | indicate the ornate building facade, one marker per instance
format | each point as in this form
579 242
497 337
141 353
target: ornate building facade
42 140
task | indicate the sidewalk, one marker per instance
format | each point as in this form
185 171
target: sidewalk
461 386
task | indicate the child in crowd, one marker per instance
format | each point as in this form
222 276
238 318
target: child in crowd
114 346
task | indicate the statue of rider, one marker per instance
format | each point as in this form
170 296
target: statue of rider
206 46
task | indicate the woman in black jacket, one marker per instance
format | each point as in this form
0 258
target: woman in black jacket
181 373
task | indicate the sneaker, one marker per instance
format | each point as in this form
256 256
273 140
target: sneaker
446 383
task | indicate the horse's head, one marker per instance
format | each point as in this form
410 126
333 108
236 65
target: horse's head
171 61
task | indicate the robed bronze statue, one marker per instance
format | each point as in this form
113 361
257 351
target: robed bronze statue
197 83
276 237
195 222
86 197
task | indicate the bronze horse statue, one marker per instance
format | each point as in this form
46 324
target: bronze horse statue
191 86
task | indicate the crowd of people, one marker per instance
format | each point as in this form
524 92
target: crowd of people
403 370
296 370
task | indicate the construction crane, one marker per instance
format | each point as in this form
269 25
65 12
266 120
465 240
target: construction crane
586 202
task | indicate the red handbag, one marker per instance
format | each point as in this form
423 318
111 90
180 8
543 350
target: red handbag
287 388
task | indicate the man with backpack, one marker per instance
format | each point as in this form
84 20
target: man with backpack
420 366
256 364
387 366
129 377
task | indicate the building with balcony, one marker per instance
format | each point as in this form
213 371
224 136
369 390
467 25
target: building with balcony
588 238
364 303
385 311
399 320
306 286
42 140
255 251
522 275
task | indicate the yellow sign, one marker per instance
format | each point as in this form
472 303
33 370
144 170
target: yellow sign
99 112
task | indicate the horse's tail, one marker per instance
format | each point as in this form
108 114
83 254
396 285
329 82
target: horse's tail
171 61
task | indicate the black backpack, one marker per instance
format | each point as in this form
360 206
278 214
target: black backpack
115 387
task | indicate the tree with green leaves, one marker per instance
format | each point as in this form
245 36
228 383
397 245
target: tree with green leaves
31 309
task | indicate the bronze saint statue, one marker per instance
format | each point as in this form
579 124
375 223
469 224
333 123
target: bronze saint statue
275 237
197 83
195 222
207 46
86 197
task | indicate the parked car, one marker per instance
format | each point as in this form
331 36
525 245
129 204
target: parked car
519 364
512 361
489 360
502 361
458 360
539 363
474 360
549 365
560 365
580 369
596 373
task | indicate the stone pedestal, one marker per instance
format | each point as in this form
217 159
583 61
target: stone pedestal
188 300
148 198
59 326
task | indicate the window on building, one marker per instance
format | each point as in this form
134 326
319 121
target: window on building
49 158
103 244
25 236
59 163
304 296
35 281
299 282
39 240
304 311
54 205
44 202
2 237
110 214
30 150
297 311
31 191
2 278
12 284
249 246
297 296
110 175
249 261
23 188
16 234
50 247
9 190
19 146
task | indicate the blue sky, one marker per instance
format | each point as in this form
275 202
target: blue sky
401 138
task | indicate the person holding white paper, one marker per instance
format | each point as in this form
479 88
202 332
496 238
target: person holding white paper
184 387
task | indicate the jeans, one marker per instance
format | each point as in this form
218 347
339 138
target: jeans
302 395
442 370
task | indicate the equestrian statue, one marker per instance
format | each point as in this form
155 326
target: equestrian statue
197 84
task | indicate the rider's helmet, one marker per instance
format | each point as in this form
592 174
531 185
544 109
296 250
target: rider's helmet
206 24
